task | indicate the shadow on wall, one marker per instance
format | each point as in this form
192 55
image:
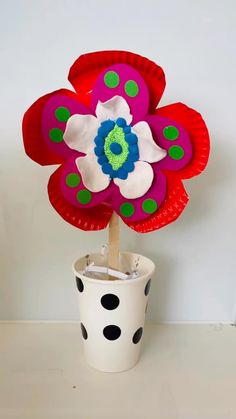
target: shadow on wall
25 210
204 197
204 190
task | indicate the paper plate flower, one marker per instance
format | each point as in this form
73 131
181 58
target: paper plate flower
116 151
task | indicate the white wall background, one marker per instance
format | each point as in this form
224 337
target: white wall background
194 41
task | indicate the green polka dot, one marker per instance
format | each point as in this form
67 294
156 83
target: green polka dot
127 209
176 152
56 135
111 79
149 206
131 88
72 180
171 133
62 114
84 196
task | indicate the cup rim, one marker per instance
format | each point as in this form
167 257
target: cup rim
117 281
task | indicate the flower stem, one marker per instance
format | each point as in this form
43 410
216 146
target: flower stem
113 250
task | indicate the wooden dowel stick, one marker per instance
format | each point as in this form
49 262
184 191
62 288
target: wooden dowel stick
113 242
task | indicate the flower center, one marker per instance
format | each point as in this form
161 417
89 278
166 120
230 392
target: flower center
116 148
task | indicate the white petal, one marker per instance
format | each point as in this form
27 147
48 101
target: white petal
114 108
80 132
93 177
148 150
138 182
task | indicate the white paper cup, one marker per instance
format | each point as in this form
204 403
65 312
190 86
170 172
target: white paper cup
112 313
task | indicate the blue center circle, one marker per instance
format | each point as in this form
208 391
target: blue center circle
116 148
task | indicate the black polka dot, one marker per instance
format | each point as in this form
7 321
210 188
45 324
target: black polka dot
147 288
112 332
110 301
138 334
79 284
84 331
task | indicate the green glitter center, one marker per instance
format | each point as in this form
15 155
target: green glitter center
116 135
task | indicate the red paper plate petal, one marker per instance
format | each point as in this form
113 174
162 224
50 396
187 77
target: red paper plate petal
87 67
95 218
169 211
41 119
194 124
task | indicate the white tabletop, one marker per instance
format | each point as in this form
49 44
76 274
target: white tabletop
185 372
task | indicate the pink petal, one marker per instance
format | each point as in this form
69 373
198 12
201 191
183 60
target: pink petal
128 80
70 193
179 148
156 194
51 123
